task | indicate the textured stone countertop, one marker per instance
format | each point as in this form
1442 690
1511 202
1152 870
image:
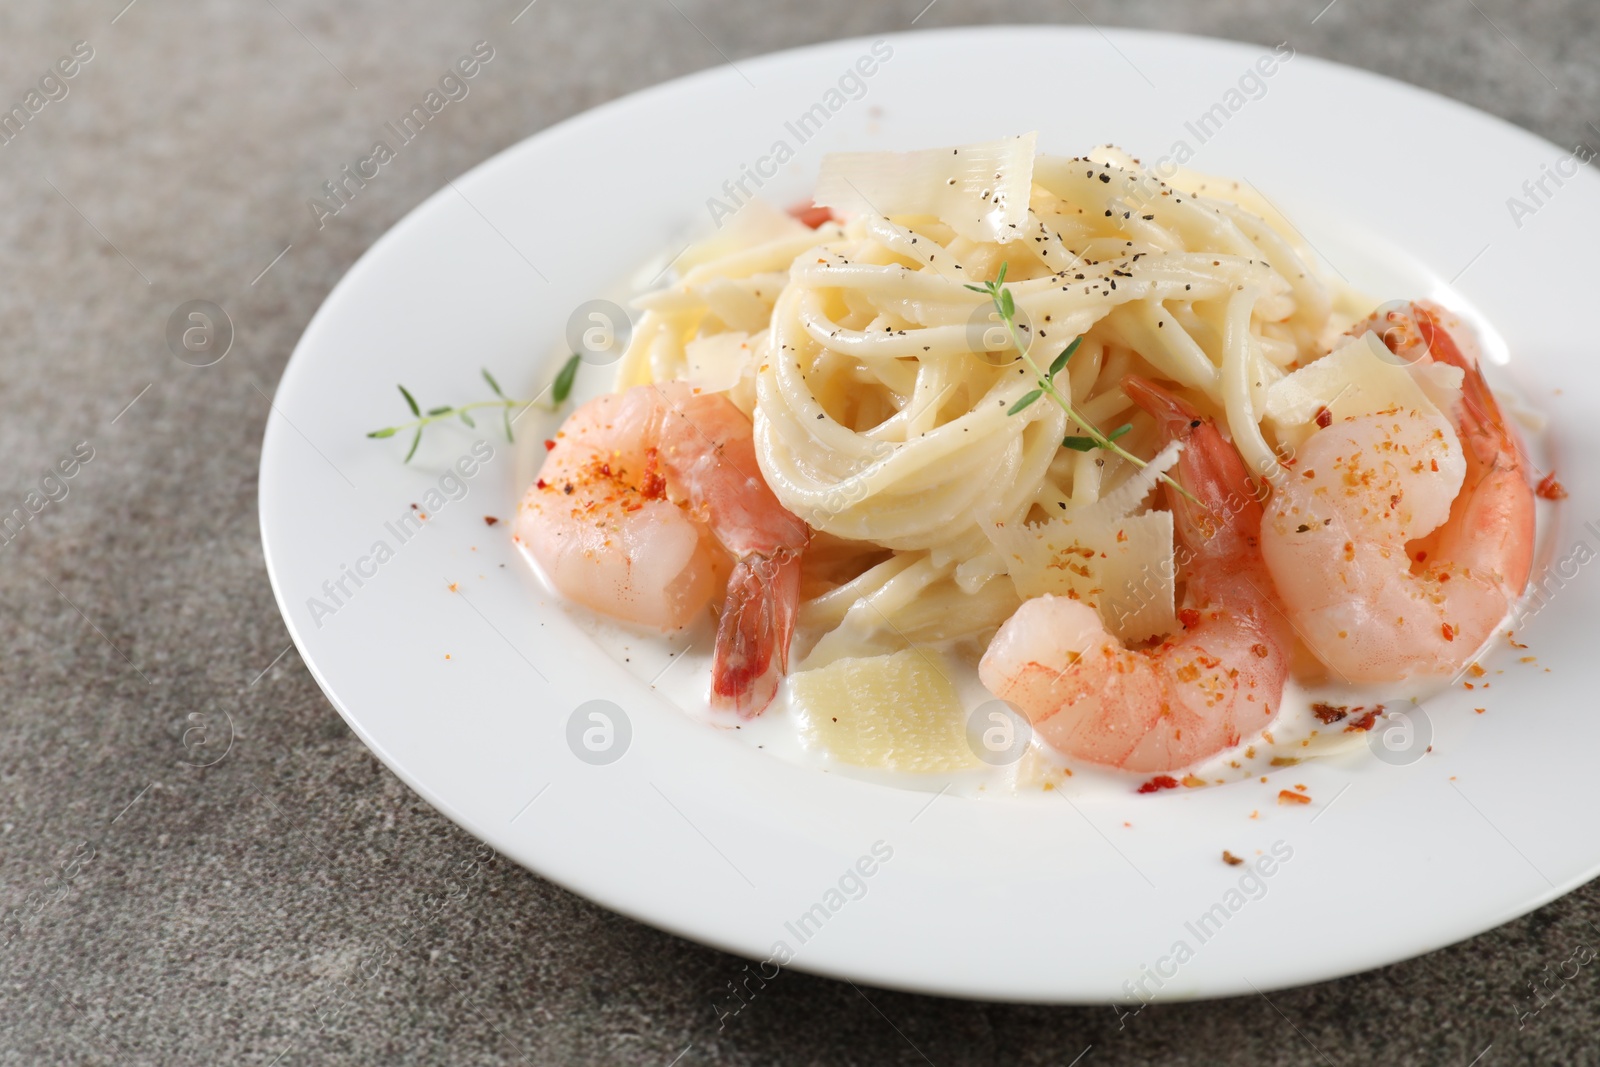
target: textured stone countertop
169 915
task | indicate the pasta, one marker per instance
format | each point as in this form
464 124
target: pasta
881 386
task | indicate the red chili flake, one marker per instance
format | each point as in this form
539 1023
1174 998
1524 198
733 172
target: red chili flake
1550 489
1286 797
490 520
1364 722
1328 714
1230 859
541 484
1324 418
549 445
1189 617
1448 631
653 486
1158 783
811 214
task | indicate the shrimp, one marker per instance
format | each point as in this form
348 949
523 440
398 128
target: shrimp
1197 692
642 498
1400 541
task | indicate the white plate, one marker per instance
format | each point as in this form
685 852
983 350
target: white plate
467 695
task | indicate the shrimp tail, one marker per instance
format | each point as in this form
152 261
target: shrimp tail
752 652
1492 520
1225 500
1487 432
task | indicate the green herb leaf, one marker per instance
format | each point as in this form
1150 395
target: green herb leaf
1080 444
440 410
416 439
1026 399
1119 431
1000 279
494 384
468 420
1066 353
979 288
505 414
387 431
1008 306
411 402
562 388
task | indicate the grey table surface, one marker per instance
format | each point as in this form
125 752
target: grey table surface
250 912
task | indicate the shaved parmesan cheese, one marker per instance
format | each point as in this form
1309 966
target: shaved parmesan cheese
756 223
716 363
738 309
1441 384
899 712
1361 377
1126 498
1125 569
980 190
1122 564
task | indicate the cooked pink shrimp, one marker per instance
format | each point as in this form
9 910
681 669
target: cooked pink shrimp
1197 692
637 492
1399 542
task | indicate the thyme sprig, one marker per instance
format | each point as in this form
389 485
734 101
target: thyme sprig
1044 383
560 389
